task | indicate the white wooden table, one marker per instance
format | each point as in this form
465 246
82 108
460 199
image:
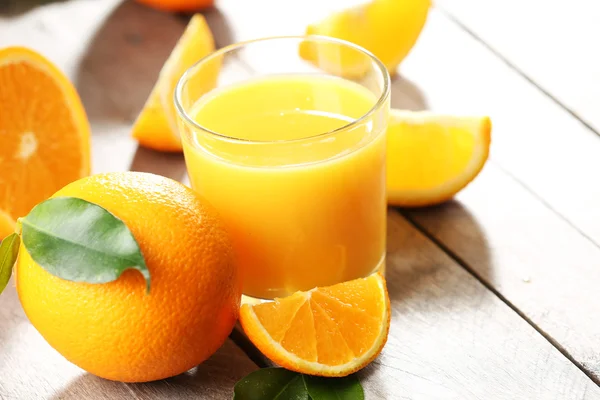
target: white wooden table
495 294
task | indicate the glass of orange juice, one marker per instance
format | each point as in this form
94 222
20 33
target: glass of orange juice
292 154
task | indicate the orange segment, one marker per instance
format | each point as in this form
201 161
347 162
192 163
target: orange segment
156 126
387 28
45 133
431 157
329 331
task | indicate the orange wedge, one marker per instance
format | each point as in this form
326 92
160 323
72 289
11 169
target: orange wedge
387 28
431 157
45 134
156 126
329 331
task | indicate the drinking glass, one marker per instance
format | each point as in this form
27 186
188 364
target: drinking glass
285 137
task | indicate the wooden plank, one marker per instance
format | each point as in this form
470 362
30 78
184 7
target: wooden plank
242 33
503 230
31 369
534 139
448 329
537 261
92 35
550 41
451 338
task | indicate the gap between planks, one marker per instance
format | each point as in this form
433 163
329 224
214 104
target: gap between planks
512 66
556 272
457 259
450 16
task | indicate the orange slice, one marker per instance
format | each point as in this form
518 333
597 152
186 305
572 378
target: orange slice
387 28
45 133
156 126
329 331
431 157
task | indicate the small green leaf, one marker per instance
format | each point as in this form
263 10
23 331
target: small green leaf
79 241
295 390
9 250
347 388
271 384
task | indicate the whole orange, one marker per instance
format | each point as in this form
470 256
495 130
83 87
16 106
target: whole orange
117 330
178 5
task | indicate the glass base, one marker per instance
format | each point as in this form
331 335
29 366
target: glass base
256 300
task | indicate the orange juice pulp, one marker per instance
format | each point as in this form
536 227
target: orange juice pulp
304 207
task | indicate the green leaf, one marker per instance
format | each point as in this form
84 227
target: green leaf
271 384
9 250
347 388
79 241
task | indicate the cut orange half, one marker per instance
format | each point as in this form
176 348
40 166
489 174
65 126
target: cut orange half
156 126
44 131
329 331
431 157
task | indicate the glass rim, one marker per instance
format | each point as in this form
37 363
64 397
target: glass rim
315 38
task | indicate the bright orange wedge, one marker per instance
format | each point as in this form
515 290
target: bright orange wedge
156 126
387 28
329 331
431 157
44 131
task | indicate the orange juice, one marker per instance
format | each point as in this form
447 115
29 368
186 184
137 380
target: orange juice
299 182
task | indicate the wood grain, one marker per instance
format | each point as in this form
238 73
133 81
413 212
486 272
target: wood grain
537 261
451 338
549 41
30 369
113 54
534 139
533 201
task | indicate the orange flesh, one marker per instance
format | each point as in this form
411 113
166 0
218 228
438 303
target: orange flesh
331 326
431 157
44 145
425 156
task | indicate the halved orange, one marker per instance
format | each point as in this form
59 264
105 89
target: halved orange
328 331
431 157
44 131
156 126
